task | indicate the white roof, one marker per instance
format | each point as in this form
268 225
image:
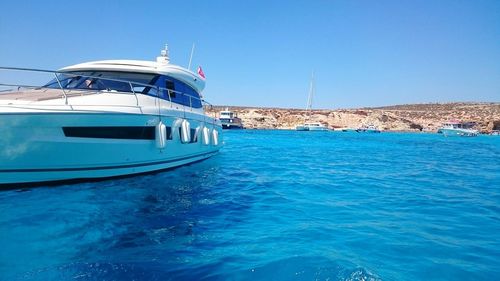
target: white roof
168 69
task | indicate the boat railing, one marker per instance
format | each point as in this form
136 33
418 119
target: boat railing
132 85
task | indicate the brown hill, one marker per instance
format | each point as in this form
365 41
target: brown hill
410 117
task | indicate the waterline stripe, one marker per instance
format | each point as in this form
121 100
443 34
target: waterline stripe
105 167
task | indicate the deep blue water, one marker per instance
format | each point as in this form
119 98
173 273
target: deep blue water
273 205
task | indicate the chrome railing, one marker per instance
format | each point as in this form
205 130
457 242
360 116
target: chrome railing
131 84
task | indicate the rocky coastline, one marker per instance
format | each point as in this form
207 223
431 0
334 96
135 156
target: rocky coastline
409 117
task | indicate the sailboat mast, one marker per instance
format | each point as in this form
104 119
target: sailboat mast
310 96
311 93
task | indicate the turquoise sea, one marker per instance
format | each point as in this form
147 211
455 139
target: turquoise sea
273 205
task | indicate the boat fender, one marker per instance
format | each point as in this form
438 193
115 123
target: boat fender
215 137
206 136
185 131
161 135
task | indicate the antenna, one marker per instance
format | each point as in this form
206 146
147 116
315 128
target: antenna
163 59
191 57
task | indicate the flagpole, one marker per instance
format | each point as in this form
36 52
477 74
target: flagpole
191 57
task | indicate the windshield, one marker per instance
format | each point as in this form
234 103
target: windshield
99 80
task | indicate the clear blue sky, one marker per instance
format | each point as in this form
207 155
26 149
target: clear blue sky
261 53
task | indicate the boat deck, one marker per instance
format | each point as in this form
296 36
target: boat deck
42 94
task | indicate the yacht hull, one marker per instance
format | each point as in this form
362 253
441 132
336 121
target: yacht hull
232 126
302 128
311 128
458 132
46 147
318 129
367 131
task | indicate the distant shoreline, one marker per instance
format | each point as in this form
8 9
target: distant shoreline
385 107
393 118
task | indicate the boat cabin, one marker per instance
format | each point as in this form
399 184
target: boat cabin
458 125
155 78
226 114
167 88
313 124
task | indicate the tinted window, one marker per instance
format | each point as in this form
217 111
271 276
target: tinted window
98 81
179 92
194 136
192 97
173 91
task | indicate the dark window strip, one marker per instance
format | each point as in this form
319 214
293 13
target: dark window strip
133 133
169 133
194 136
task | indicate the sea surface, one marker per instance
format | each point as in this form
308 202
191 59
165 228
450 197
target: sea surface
273 205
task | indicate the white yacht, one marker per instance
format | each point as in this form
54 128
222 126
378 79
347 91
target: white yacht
310 126
368 129
104 119
457 128
229 120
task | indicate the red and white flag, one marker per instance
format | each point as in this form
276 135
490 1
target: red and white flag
200 72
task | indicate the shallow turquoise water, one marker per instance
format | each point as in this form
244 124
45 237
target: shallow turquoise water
273 205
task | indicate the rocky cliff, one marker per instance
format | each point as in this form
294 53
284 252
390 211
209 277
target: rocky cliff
413 117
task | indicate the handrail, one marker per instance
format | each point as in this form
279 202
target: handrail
76 75
19 85
62 88
131 84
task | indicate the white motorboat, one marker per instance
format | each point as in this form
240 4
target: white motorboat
104 119
457 128
312 126
229 120
308 125
368 129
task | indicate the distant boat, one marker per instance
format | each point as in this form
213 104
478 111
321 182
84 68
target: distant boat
495 133
457 128
349 130
311 126
368 129
229 120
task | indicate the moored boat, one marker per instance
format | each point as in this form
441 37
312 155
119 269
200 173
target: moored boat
368 129
348 130
458 128
312 126
308 125
229 120
103 119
